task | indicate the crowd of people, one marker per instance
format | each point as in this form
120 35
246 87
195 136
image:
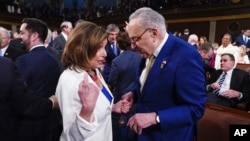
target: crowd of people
48 11
92 83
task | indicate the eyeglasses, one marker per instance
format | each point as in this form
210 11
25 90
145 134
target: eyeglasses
137 38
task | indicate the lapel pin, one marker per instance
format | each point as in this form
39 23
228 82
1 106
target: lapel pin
164 62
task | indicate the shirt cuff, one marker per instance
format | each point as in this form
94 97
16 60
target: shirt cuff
52 102
240 97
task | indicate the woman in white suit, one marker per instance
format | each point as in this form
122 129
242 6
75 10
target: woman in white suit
84 98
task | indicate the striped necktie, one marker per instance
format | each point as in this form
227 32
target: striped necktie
221 80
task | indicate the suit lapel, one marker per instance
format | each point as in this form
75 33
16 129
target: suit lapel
159 65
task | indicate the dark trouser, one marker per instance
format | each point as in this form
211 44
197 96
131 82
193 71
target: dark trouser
220 100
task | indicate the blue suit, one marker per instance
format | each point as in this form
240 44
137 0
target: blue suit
175 90
122 78
109 59
240 41
41 71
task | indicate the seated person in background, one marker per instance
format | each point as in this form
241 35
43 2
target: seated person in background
228 85
243 57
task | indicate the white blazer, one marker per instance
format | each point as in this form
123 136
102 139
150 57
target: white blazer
76 128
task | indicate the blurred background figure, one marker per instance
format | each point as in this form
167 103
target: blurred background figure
193 40
122 79
202 40
60 41
111 49
243 57
9 50
185 34
226 47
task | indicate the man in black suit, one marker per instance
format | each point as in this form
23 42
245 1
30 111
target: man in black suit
60 40
18 102
206 52
8 50
41 71
185 35
229 90
50 49
111 49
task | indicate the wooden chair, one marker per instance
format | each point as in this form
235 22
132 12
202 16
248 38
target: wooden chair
245 67
214 126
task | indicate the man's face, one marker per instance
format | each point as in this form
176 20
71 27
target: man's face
226 63
112 36
25 36
141 39
5 39
206 55
68 29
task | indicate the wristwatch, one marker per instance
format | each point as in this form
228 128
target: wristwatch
157 119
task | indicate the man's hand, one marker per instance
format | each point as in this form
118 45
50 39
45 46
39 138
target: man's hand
142 120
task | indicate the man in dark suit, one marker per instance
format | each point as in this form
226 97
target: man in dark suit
122 79
170 89
17 102
50 49
243 38
111 49
8 50
60 40
41 71
206 52
185 35
234 87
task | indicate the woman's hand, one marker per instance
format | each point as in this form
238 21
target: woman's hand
88 93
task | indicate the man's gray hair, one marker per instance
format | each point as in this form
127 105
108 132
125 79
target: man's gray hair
148 18
112 28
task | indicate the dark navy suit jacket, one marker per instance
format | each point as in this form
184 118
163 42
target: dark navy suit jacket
17 101
175 90
41 71
123 73
12 53
240 41
59 44
109 59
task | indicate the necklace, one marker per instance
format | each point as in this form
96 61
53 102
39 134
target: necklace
92 74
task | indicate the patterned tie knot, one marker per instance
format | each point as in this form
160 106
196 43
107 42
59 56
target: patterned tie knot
220 82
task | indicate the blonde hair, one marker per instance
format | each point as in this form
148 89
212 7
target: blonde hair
243 47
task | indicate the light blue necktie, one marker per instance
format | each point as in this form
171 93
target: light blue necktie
1 53
114 49
217 91
245 39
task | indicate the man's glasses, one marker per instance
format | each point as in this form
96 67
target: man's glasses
136 39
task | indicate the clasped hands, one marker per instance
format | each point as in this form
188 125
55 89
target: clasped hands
227 93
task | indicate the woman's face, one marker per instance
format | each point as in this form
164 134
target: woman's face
99 59
241 50
202 41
